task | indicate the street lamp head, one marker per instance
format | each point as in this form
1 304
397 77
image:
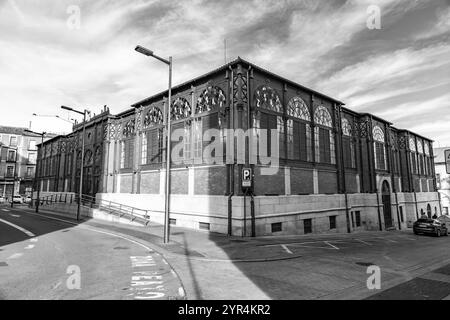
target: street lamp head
144 51
67 108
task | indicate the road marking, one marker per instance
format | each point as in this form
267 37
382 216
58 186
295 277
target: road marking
181 292
362 241
331 245
15 256
29 247
34 240
5 210
286 249
118 236
28 233
14 216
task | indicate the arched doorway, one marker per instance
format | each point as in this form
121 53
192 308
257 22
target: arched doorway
429 211
386 197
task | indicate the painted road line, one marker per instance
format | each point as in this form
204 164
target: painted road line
5 210
28 233
29 247
147 282
14 215
149 250
362 241
286 249
326 242
34 240
15 256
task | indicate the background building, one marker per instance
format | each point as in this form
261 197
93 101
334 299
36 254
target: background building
442 178
339 170
17 161
59 164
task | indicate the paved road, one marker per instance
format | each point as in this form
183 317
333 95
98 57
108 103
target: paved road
216 267
42 258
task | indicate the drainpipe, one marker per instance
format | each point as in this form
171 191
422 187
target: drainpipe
344 184
379 212
230 177
249 126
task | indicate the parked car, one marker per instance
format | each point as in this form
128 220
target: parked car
2 200
430 226
17 199
27 199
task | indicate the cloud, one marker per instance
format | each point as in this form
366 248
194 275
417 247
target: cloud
322 44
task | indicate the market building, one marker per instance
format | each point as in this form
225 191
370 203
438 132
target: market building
333 169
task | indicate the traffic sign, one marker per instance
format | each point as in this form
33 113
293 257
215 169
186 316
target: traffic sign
247 177
447 160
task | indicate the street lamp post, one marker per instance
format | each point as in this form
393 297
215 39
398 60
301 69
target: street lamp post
80 191
38 200
150 53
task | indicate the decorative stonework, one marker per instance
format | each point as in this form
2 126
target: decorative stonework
240 89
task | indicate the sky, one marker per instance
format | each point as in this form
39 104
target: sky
80 53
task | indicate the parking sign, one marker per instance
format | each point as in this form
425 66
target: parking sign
247 177
447 160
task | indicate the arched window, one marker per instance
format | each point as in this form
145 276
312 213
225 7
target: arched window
298 130
413 155
420 158
379 148
348 145
88 160
181 109
267 98
269 116
152 137
324 136
153 117
213 98
427 157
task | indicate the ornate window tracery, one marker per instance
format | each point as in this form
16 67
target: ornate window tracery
297 108
128 129
378 134
212 98
346 127
412 145
268 98
181 109
153 117
322 117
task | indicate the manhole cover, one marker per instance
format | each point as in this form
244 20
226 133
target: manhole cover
365 264
3 264
121 248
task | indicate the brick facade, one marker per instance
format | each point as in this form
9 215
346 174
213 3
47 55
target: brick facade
332 160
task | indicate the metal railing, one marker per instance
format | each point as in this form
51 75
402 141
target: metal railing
111 207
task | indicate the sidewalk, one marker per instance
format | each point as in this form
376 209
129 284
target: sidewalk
212 246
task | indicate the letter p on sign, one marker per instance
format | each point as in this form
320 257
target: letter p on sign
247 176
